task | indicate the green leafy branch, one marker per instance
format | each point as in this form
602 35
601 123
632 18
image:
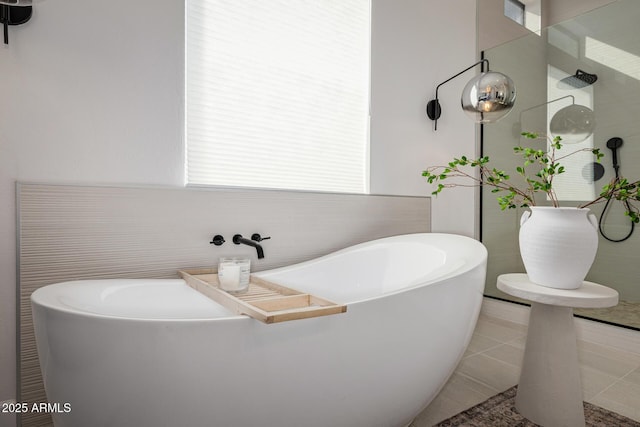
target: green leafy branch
547 163
538 170
496 178
624 191
619 188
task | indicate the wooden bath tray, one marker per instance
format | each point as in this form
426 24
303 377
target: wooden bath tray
264 301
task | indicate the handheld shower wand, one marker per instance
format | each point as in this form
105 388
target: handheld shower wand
613 144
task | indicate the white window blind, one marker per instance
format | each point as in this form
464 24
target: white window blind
277 93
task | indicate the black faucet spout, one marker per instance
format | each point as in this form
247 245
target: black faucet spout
238 239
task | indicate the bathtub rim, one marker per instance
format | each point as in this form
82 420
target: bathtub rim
480 258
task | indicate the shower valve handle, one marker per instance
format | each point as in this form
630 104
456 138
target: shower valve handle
258 238
217 240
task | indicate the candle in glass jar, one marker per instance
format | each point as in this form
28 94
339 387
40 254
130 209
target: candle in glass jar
229 276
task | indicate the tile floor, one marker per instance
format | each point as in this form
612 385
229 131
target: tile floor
625 313
610 378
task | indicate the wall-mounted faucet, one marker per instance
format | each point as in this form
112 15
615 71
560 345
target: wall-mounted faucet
255 238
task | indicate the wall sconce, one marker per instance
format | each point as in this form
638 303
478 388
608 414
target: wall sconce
486 98
573 123
14 12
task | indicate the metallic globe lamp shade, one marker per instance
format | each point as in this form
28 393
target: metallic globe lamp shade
573 123
488 97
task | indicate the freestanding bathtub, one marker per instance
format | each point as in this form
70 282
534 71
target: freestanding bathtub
150 353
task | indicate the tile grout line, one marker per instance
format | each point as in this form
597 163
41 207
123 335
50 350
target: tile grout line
634 367
521 334
483 351
469 377
618 380
503 361
627 354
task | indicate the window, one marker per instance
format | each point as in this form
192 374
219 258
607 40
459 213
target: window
277 94
527 13
514 10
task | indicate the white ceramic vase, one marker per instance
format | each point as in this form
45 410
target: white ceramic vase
558 245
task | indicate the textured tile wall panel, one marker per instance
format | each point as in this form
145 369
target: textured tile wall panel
79 232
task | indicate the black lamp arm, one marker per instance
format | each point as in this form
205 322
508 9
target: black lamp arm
433 107
573 101
462 72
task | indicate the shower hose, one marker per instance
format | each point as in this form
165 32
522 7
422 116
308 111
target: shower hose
606 206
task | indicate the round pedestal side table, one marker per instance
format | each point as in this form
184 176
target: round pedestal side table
550 390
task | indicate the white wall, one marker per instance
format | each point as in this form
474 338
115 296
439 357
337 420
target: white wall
418 44
558 11
494 28
92 93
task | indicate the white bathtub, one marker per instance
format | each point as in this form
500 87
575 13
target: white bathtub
150 353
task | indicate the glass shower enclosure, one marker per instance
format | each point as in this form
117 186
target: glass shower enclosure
590 61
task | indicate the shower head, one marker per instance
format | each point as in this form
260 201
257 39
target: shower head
614 143
579 80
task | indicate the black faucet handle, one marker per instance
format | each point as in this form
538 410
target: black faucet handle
217 240
258 238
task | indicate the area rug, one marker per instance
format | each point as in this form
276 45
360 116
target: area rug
500 411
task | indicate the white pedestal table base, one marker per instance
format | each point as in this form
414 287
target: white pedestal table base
550 391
